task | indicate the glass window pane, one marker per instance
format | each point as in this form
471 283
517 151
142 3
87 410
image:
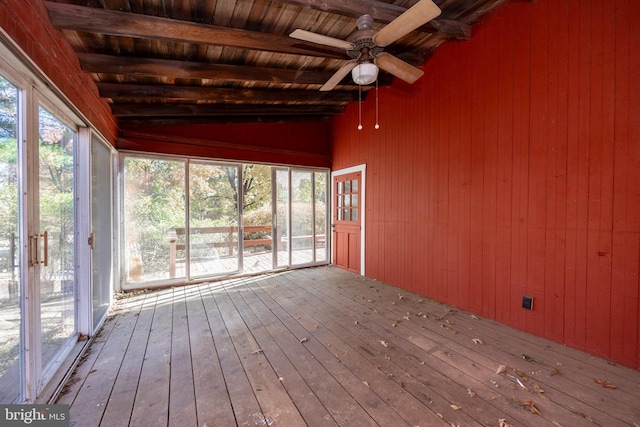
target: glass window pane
301 217
354 214
257 254
213 219
282 209
340 187
347 200
347 186
102 229
354 186
321 215
347 215
354 200
154 192
10 284
57 218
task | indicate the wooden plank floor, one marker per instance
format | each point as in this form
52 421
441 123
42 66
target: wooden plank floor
324 347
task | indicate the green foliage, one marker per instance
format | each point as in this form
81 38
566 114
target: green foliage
8 110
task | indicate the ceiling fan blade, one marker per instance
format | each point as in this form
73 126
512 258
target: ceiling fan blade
320 39
339 75
414 17
398 67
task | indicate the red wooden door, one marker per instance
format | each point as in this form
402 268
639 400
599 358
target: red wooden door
346 221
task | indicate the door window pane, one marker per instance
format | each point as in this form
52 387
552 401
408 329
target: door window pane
154 204
10 284
56 209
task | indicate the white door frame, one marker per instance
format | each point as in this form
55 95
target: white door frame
363 172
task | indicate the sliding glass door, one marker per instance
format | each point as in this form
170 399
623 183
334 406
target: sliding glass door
101 238
214 219
52 247
11 313
50 290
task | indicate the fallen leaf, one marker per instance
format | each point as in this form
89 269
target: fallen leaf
477 341
305 339
471 392
501 369
456 407
504 423
527 358
555 371
281 379
537 388
440 415
585 416
522 376
400 297
532 406
394 325
557 424
606 384
258 351
384 343
355 322
474 317
451 322
365 383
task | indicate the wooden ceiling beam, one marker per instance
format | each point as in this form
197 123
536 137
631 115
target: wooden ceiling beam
195 110
384 13
117 91
151 67
127 24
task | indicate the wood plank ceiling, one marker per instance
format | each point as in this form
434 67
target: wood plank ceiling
160 62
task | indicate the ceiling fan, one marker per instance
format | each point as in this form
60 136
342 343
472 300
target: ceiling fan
365 46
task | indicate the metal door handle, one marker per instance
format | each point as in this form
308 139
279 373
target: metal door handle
45 236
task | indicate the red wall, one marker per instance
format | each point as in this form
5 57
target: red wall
27 23
513 168
298 143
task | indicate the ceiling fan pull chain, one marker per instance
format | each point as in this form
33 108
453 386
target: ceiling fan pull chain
377 126
359 107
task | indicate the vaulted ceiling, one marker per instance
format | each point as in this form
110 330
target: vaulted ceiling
161 62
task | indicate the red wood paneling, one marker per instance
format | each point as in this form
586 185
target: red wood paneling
305 144
513 168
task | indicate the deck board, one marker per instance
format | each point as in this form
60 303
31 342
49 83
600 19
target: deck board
182 402
325 347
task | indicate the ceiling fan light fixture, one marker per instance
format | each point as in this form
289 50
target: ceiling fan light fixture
364 73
